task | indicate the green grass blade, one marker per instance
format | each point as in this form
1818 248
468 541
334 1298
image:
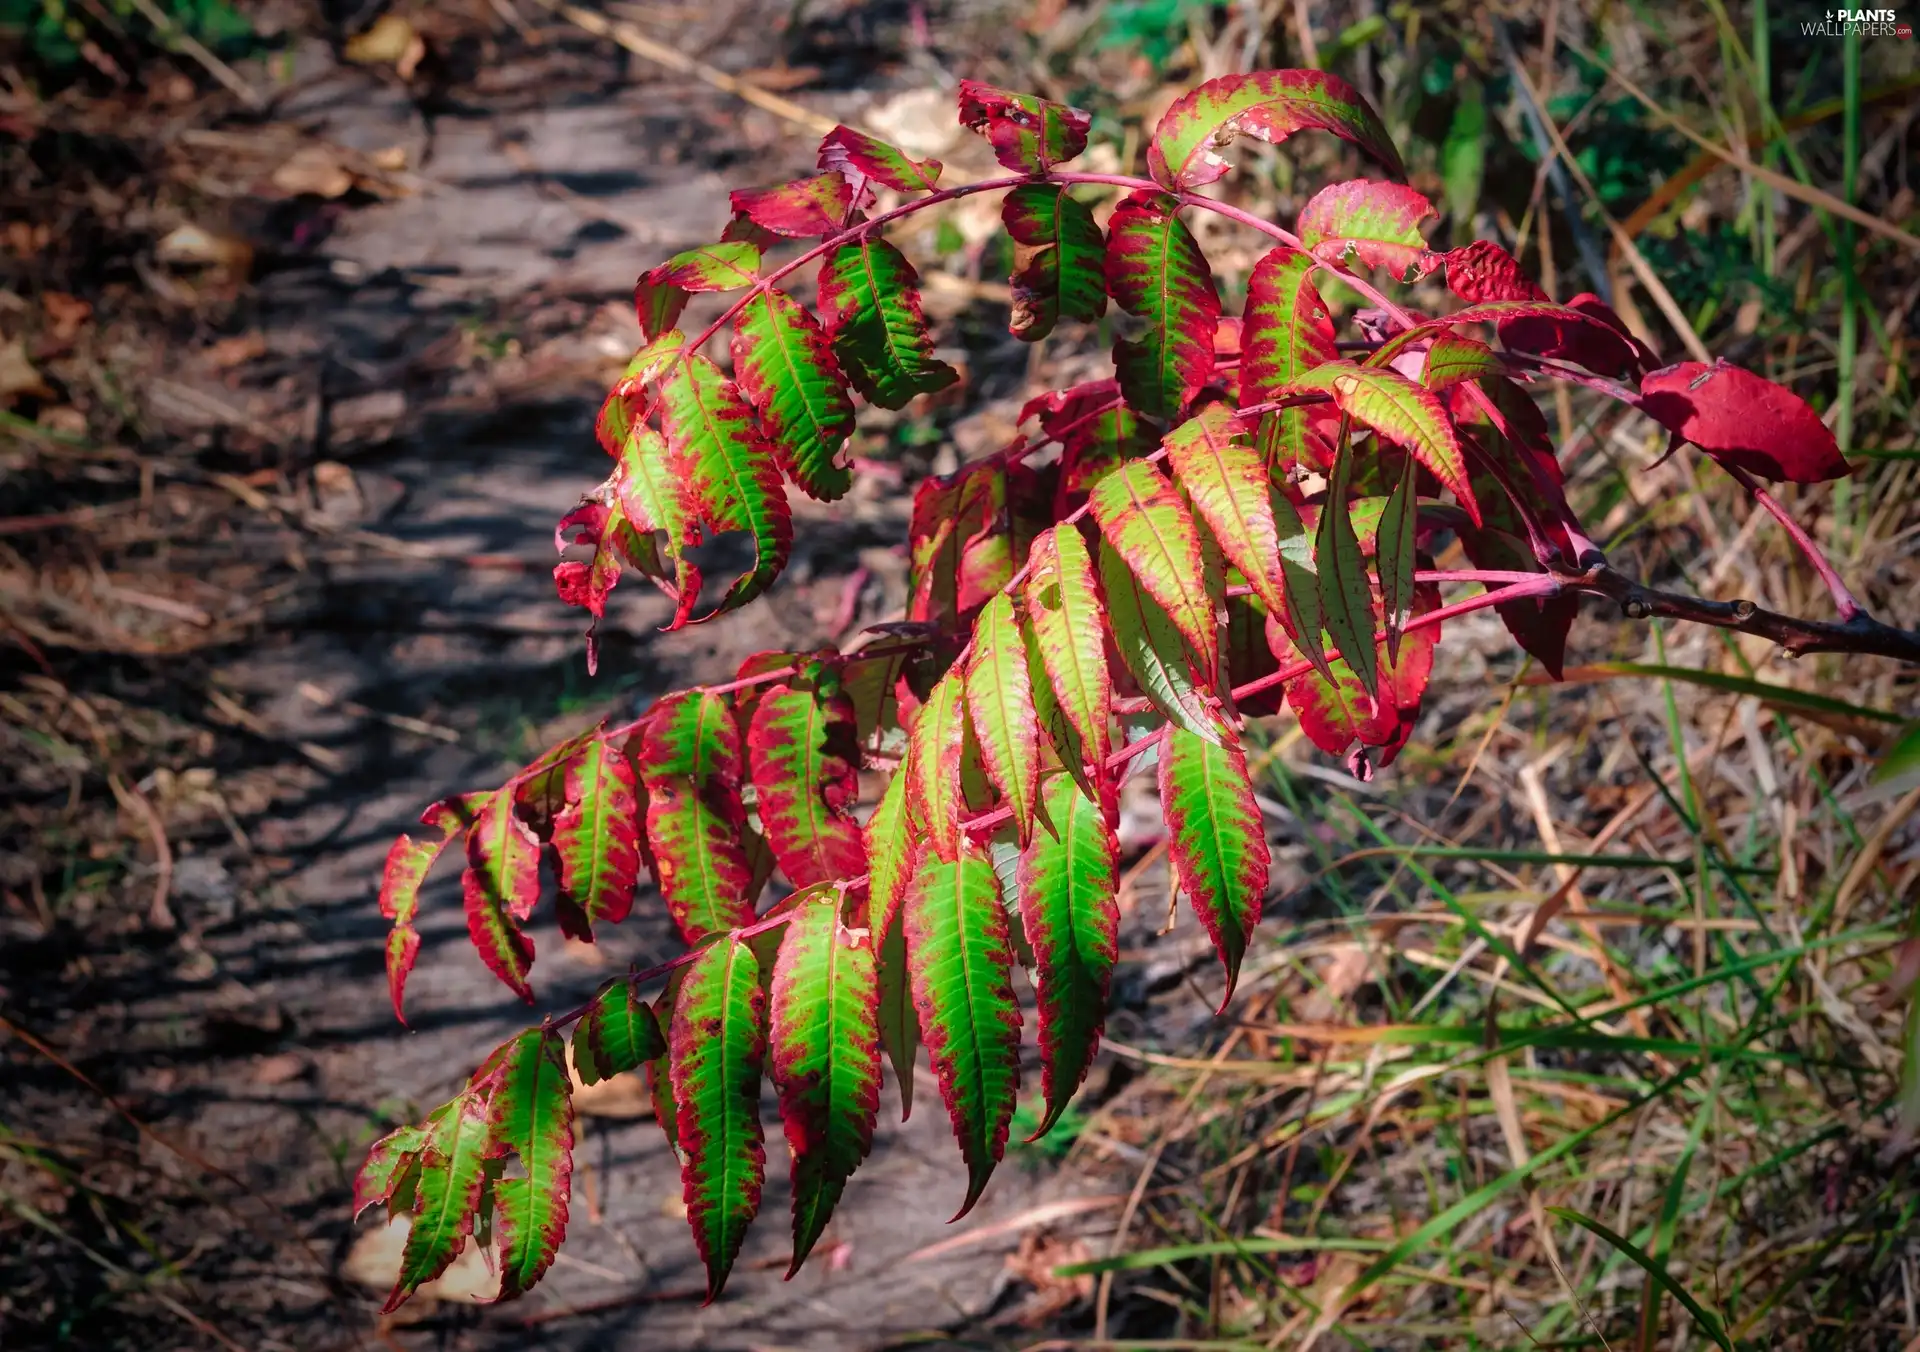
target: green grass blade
1641 1259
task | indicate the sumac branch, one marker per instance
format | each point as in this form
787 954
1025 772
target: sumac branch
1242 516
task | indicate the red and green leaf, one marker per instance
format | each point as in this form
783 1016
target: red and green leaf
1152 650
785 364
858 155
500 886
597 835
408 863
1216 839
658 308
1402 412
1229 486
716 1048
616 1034
1377 224
1029 134
1744 421
892 855
870 302
1155 270
1335 711
385 1176
999 691
727 266
1452 358
1286 331
651 497
805 756
1142 518
690 763
730 478
934 745
446 1193
1072 922
1059 259
899 1031
1065 619
820 205
531 1114
958 957
824 1048
1270 105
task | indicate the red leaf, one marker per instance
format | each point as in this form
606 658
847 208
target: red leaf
1029 134
821 205
858 155
1743 420
1377 223
1598 341
1484 271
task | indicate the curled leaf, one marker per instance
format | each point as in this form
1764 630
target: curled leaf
858 155
1270 105
1029 134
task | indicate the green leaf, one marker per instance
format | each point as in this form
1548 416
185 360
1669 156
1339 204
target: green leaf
1305 615
1453 359
805 758
1270 105
659 1069
1394 557
870 301
999 695
1068 909
934 744
716 1048
1377 224
1657 1271
785 364
711 267
690 766
1463 156
899 1033
384 1173
1065 620
729 478
891 855
1059 259
1216 839
1143 519
958 958
824 1050
1155 270
1402 412
1900 761
447 1193
1344 590
616 1034
1150 647
531 1114
596 837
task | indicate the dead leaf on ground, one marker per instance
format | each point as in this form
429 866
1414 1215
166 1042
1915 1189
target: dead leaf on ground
1342 972
391 41
314 170
622 1097
374 1262
1041 1252
191 246
18 378
236 350
66 315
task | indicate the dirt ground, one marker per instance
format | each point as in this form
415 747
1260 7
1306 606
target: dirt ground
436 343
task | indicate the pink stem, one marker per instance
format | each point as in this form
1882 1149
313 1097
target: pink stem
1843 596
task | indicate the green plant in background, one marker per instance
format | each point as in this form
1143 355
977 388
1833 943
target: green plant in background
57 33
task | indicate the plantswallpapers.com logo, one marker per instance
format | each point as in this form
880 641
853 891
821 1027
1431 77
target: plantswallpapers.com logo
1866 23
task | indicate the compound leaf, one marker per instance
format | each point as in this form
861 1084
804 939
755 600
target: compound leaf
1155 270
1072 922
958 957
596 836
1216 839
715 1051
870 302
804 755
999 694
785 365
824 1048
